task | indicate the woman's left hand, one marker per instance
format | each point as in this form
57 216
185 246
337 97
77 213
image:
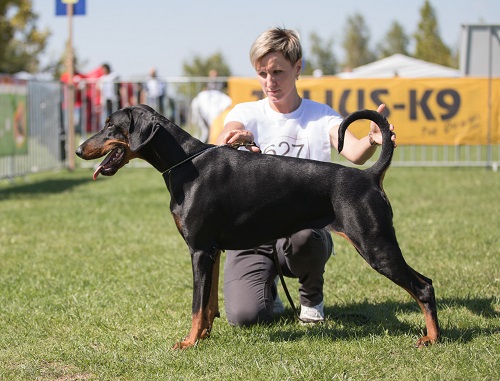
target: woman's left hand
376 134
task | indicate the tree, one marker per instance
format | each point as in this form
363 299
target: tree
201 67
356 41
395 41
429 46
212 66
321 57
21 42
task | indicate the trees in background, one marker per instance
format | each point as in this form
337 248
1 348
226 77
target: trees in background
356 42
321 57
201 67
429 46
395 41
21 43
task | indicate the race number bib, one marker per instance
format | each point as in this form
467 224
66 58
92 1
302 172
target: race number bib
287 146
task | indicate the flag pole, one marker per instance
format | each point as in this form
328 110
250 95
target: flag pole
71 92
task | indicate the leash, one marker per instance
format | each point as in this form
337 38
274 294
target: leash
285 288
234 145
359 319
189 158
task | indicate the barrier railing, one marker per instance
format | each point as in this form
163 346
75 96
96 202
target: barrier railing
34 127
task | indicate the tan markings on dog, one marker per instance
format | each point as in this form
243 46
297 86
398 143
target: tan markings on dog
202 321
113 143
432 334
342 234
178 222
212 309
197 327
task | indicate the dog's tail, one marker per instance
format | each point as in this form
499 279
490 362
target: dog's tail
385 157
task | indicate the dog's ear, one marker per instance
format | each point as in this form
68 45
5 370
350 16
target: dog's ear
144 123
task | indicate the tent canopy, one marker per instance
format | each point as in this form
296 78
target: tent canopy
399 65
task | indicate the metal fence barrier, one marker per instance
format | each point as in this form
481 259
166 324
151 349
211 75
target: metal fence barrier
47 125
43 128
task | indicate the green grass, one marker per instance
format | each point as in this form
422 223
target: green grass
95 284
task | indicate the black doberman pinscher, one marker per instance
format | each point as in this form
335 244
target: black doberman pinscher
219 194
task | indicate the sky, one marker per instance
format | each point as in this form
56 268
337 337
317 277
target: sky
134 36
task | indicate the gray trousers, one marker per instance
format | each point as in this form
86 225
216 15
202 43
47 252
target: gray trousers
249 288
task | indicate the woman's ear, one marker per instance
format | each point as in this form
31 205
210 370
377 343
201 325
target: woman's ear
298 67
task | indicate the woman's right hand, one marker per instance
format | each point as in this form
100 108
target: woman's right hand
239 136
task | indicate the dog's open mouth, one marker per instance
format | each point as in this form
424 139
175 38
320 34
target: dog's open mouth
111 164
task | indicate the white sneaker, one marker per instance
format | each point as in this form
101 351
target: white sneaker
312 314
278 307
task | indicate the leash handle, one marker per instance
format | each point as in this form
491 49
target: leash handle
240 143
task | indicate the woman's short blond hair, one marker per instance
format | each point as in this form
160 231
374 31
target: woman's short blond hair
286 41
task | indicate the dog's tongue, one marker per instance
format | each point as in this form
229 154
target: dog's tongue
104 162
97 171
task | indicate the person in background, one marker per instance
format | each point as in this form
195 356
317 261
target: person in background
214 83
78 96
155 92
283 123
109 92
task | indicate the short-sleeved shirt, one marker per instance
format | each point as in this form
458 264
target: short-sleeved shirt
303 133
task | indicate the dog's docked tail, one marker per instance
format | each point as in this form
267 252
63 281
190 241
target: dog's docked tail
385 157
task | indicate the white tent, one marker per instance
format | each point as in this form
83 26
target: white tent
399 65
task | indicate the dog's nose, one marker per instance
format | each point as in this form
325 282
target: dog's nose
79 151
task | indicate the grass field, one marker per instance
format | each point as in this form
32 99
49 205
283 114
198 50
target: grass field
95 284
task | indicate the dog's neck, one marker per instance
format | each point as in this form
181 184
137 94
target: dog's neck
169 148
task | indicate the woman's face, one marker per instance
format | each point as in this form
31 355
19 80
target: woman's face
277 78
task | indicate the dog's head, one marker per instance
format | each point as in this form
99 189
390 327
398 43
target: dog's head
126 131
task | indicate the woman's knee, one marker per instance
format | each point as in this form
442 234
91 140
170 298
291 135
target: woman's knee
247 302
245 317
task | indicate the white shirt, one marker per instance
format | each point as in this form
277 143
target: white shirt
155 88
106 84
302 133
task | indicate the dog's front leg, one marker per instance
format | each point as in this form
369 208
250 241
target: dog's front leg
205 296
212 309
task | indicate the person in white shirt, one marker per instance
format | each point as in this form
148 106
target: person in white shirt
284 124
155 92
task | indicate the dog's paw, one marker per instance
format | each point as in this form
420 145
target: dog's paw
425 341
184 344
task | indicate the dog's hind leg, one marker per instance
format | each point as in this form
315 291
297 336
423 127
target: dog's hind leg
427 302
205 298
385 256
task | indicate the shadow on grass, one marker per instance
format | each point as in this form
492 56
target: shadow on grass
49 186
367 319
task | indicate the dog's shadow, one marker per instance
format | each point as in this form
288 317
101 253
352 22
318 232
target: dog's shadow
368 319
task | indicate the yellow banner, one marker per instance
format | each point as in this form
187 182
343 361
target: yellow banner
430 111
